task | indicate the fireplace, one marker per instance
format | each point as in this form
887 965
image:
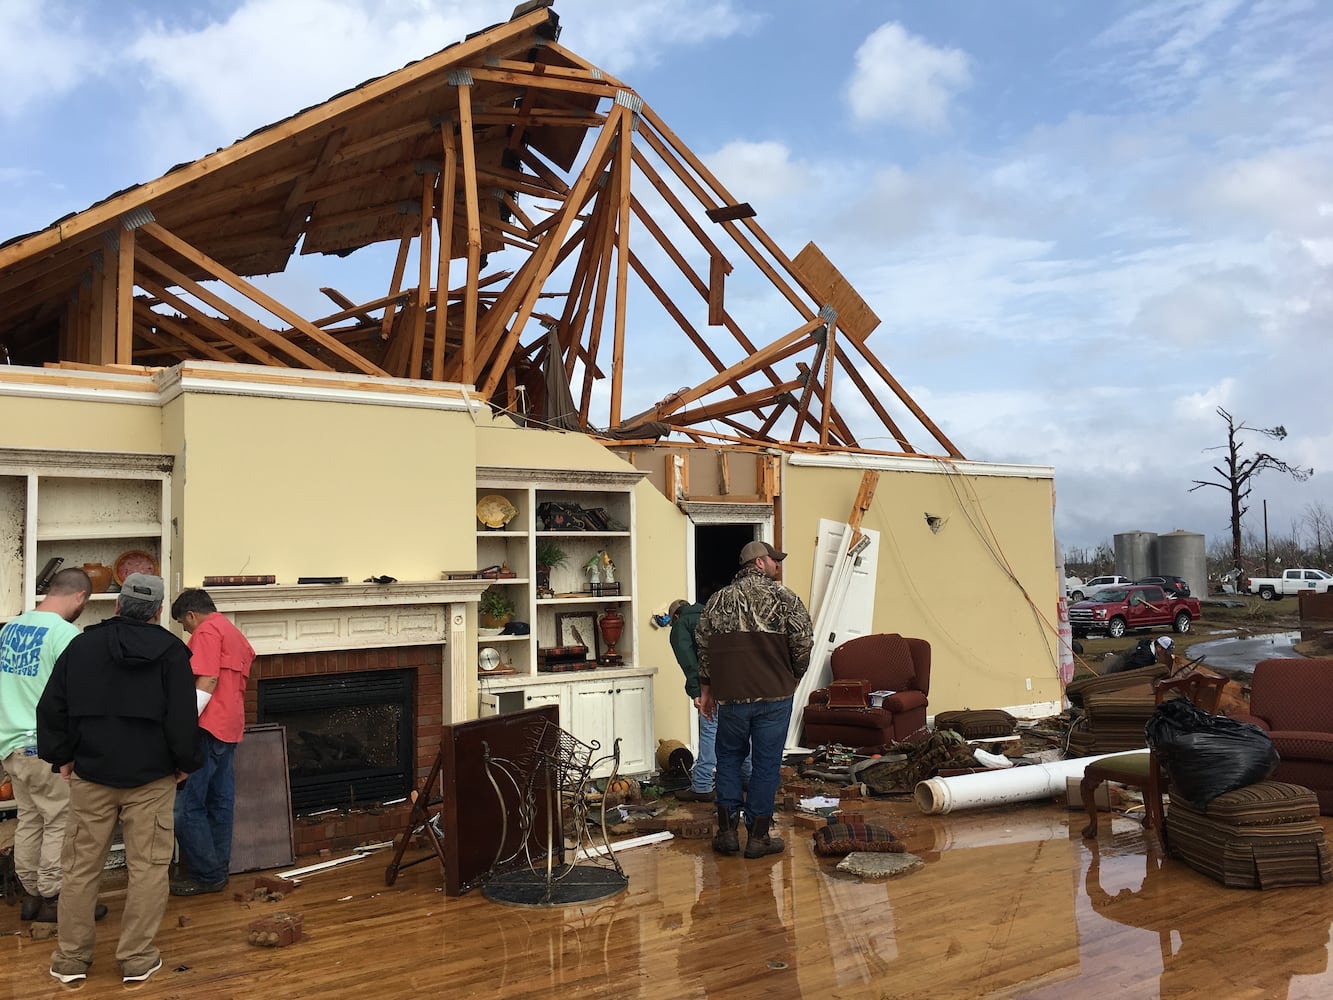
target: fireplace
350 737
408 642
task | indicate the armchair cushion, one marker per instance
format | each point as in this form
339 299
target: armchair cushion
1292 744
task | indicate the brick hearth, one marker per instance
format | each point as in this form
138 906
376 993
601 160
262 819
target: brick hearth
344 829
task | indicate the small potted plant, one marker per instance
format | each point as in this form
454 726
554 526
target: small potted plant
494 609
549 556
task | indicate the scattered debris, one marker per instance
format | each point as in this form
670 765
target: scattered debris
276 931
183 921
870 865
624 845
297 872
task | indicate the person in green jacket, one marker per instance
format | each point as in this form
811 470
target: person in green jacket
684 619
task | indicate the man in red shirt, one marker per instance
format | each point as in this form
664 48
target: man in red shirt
220 657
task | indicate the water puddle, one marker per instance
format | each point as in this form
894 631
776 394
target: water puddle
1241 653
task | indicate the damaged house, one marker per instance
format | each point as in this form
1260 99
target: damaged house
584 377
554 247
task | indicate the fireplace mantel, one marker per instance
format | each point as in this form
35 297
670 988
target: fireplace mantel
309 618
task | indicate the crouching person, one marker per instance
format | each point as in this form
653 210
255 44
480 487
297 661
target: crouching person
118 720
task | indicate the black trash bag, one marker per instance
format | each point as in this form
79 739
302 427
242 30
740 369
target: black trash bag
1208 755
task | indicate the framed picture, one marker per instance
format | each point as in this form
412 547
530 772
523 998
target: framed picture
578 628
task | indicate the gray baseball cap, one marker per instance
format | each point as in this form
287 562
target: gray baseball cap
143 587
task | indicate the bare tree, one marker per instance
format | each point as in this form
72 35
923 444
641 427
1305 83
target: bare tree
1238 473
1319 519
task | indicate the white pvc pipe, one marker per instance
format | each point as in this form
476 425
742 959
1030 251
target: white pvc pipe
993 788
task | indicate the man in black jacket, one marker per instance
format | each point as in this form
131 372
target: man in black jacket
118 720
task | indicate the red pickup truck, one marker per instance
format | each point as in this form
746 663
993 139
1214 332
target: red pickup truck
1116 610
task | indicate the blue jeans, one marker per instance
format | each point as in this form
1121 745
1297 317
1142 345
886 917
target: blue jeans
204 806
705 768
758 728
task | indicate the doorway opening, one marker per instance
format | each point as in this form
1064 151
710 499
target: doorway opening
717 551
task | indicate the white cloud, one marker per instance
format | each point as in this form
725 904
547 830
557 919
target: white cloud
760 172
902 78
42 53
620 37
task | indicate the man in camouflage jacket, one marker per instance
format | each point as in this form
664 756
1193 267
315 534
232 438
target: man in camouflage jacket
753 640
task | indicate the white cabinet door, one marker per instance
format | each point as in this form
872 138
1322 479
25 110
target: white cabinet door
592 716
549 694
633 701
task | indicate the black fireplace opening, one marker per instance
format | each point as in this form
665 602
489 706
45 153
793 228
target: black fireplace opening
350 737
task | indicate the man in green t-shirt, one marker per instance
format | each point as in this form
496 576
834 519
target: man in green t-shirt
29 647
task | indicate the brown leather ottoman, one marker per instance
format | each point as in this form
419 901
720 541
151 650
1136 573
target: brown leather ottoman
1262 836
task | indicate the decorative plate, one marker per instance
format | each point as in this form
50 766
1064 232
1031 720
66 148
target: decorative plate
135 561
495 511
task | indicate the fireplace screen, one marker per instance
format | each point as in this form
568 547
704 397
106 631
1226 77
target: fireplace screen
350 736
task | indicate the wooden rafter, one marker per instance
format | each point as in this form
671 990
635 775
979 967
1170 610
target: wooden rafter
481 149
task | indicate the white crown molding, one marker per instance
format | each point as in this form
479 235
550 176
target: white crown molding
222 378
97 463
924 464
568 479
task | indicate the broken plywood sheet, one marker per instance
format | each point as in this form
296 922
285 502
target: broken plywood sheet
826 282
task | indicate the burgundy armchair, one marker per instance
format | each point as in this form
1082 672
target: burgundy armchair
1293 701
887 662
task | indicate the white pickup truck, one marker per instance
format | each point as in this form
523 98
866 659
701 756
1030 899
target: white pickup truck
1272 588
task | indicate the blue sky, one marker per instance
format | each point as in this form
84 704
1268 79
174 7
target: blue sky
1084 226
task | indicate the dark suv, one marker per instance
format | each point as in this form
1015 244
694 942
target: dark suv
1173 585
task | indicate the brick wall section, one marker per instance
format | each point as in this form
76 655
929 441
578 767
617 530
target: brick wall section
338 832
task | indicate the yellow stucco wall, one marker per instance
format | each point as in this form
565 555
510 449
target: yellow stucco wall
330 487
35 422
314 488
982 589
662 578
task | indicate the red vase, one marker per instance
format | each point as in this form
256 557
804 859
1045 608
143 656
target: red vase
612 626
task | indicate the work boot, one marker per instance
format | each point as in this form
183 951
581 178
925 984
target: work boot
690 795
727 841
759 844
48 913
32 903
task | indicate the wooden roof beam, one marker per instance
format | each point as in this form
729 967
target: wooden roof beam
448 194
907 400
783 347
261 299
624 163
573 57
749 402
368 98
217 327
674 312
468 152
678 206
201 347
808 389
542 260
602 243
543 81
677 161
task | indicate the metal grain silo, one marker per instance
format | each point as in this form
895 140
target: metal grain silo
1183 554
1135 554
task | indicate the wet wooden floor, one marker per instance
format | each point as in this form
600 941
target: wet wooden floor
1009 903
